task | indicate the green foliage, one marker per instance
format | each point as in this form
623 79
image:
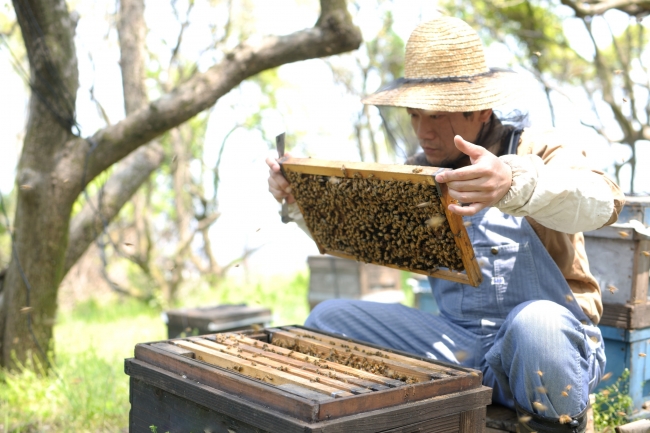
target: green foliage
91 392
613 404
91 343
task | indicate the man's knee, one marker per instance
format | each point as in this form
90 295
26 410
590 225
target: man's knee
541 324
326 313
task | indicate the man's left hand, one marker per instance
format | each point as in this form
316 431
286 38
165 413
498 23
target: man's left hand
479 185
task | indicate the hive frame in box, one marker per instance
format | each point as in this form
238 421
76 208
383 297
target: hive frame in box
196 393
414 174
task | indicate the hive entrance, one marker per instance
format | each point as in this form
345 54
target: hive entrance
383 214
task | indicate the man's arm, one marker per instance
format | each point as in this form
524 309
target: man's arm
554 185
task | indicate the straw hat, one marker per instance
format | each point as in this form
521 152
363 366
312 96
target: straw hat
445 70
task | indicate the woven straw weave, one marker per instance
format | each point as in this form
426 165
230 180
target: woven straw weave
449 54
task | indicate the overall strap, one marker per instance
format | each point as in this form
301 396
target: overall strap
514 141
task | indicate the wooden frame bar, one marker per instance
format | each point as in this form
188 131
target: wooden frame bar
413 174
303 386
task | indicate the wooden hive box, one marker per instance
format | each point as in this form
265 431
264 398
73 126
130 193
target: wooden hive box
389 215
333 278
293 379
217 318
619 258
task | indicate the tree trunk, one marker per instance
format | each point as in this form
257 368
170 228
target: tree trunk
55 165
46 189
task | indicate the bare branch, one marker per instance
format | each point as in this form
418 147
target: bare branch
243 257
132 31
124 182
334 34
632 7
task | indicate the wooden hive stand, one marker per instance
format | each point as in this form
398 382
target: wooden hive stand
293 379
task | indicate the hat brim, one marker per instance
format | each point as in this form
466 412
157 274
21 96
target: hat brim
456 95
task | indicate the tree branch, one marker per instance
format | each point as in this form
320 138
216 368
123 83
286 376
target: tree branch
632 7
124 182
334 34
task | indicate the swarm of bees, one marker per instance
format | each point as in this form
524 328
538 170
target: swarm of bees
351 360
385 222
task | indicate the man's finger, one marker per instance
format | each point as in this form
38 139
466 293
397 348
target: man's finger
470 210
472 150
469 196
464 173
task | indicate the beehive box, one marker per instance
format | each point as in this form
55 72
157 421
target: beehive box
389 215
333 278
293 379
217 318
619 259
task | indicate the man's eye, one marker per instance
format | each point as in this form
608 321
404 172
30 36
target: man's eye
435 116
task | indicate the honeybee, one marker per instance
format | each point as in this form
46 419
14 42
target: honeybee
539 406
435 221
612 289
565 419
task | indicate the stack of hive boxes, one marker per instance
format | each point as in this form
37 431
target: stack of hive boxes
619 258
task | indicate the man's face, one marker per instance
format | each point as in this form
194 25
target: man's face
436 130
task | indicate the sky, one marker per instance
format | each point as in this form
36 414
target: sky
311 103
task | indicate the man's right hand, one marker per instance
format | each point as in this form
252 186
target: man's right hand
278 185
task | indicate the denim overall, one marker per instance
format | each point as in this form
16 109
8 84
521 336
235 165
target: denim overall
521 327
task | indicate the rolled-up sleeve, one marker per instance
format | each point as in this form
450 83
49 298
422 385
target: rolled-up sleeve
555 186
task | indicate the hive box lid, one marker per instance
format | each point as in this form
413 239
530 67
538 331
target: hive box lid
218 317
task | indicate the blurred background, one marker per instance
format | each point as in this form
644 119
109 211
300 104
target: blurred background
202 229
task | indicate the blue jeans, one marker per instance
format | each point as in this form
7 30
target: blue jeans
540 353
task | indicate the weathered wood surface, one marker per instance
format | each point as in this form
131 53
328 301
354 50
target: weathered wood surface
226 381
304 362
167 412
626 316
181 404
323 349
404 173
261 372
228 404
259 357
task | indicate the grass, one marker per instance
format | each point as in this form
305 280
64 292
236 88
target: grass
91 392
613 404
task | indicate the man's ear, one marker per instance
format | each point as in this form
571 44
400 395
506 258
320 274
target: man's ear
484 115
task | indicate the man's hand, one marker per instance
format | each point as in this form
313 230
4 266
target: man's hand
479 185
278 185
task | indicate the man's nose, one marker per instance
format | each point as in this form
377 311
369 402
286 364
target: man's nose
423 130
